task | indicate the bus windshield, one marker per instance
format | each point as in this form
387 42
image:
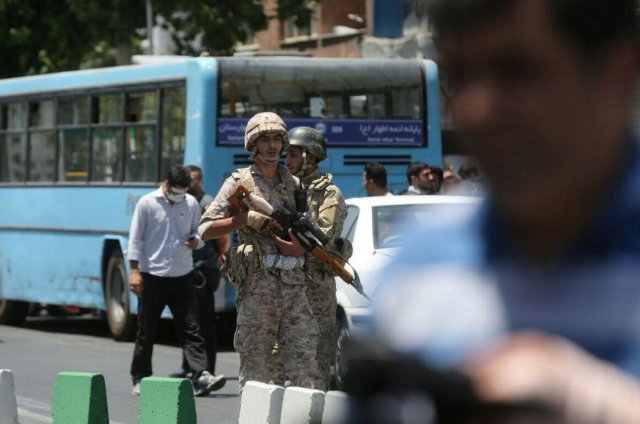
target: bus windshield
354 102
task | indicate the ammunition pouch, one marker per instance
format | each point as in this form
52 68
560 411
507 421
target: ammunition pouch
242 261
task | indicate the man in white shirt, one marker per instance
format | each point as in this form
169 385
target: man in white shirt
161 239
374 180
419 178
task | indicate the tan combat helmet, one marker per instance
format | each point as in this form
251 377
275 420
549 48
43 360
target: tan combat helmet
261 123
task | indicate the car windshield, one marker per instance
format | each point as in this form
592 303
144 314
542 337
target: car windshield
392 224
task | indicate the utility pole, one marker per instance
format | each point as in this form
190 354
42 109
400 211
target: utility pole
149 26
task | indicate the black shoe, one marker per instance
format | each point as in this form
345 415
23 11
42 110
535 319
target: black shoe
208 383
181 373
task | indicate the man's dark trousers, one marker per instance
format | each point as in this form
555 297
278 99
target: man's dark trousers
180 295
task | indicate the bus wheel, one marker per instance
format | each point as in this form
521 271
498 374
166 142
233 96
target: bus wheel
13 312
121 321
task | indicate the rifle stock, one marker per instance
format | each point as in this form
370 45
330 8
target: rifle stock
240 198
335 266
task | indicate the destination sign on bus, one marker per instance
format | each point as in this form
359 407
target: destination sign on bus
339 132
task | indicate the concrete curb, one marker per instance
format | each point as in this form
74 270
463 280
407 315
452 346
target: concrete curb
266 403
79 398
336 407
261 403
166 401
302 405
8 405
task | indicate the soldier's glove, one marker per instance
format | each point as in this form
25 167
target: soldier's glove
258 221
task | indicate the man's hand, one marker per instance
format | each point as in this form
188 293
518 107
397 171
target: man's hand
259 221
552 371
289 248
525 367
135 282
192 243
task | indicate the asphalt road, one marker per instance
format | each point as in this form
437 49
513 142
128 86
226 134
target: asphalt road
45 346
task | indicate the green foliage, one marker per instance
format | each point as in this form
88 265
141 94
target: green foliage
300 9
40 36
37 36
221 23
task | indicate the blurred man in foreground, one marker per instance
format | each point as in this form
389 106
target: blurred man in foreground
536 298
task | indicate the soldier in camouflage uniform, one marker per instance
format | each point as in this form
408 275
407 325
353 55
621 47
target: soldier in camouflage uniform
267 272
307 147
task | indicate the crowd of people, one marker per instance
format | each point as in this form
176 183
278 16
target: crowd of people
423 178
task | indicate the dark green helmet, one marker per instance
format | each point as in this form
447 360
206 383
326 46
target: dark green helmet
310 140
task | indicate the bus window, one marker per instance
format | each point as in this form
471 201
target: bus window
107 155
73 111
358 106
141 154
13 144
42 142
142 107
173 128
108 108
406 104
74 155
42 152
16 116
73 138
42 114
334 107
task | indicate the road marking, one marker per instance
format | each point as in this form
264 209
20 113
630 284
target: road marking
25 414
44 417
33 416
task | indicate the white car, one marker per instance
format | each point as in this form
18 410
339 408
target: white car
376 227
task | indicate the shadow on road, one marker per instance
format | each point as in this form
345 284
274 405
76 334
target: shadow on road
90 325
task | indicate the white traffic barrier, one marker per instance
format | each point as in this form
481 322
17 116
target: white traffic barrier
8 405
302 405
336 407
260 403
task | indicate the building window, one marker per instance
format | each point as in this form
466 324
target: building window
303 29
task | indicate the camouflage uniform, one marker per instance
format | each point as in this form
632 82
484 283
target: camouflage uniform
271 302
327 207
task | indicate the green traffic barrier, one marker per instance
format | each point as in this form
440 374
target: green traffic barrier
166 401
79 398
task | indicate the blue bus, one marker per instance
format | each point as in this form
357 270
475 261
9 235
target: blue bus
78 149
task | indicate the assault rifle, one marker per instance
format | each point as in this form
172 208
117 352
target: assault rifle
307 232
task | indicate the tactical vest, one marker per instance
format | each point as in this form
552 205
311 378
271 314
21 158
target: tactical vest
316 196
249 256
